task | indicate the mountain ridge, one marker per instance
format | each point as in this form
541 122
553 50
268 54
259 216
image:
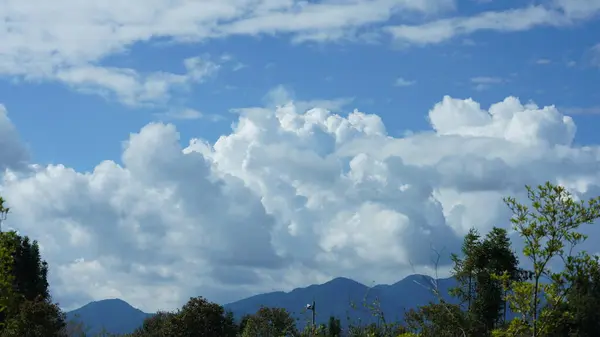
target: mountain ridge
342 297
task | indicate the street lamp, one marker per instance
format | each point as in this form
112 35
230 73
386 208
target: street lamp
311 307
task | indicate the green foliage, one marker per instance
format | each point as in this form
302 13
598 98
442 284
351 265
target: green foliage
438 320
550 231
334 328
25 303
198 317
37 318
270 322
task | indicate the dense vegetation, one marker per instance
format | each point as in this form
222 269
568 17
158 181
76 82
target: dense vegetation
559 296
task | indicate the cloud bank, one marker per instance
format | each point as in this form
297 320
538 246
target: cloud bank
289 197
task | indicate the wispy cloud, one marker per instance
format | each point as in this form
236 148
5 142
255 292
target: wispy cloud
543 61
188 114
133 88
402 82
281 95
563 13
592 110
485 82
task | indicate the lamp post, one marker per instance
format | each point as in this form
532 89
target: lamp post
311 307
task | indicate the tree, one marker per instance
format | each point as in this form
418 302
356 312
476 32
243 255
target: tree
270 322
36 318
495 257
477 287
158 325
549 229
437 320
464 268
579 314
199 317
6 276
25 298
243 322
334 328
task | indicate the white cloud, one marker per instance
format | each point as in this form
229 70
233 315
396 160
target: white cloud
562 13
578 9
543 61
39 39
289 197
281 95
402 82
188 114
132 88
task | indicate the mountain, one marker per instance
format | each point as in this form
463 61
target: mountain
340 297
347 299
114 315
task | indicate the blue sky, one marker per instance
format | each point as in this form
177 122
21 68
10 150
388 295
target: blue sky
76 86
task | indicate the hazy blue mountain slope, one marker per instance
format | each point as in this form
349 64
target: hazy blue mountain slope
337 296
340 297
115 315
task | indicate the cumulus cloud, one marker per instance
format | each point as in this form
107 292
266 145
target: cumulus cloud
289 197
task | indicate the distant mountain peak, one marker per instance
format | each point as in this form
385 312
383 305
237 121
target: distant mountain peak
110 302
342 280
416 278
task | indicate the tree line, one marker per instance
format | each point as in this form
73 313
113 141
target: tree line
557 295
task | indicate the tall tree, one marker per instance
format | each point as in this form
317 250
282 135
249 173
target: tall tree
579 314
464 268
477 286
24 287
549 228
334 328
6 276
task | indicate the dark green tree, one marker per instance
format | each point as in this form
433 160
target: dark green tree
23 280
478 288
270 322
36 318
199 317
334 328
579 314
158 325
465 268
